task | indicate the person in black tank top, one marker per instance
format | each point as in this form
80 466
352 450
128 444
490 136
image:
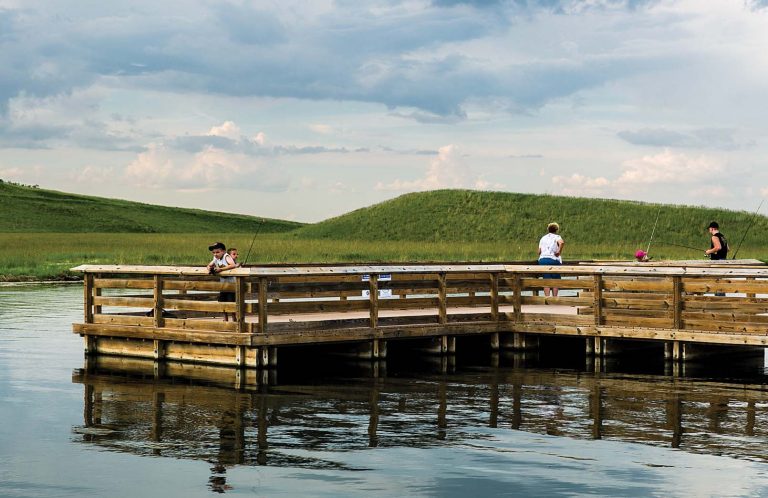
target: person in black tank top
718 244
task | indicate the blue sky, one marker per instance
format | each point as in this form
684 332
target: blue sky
305 110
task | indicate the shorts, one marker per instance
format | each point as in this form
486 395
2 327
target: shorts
226 297
550 262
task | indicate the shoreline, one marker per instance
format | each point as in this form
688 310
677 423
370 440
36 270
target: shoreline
6 280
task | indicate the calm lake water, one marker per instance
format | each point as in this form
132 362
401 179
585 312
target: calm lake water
482 426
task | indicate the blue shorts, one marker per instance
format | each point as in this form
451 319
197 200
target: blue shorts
550 262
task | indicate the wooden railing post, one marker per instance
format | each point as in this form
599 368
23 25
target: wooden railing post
88 298
442 296
157 294
96 293
598 299
517 298
677 302
495 297
373 287
240 304
263 287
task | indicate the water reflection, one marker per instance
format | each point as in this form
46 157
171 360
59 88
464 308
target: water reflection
226 418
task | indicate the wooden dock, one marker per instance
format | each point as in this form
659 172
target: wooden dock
163 312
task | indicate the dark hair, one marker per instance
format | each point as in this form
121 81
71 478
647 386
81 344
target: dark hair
217 245
714 225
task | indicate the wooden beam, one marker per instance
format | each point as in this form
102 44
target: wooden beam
373 300
263 288
597 306
441 299
157 296
677 302
495 297
240 305
88 298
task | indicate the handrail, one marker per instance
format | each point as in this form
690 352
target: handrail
256 271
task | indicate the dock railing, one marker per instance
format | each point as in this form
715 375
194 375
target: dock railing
303 305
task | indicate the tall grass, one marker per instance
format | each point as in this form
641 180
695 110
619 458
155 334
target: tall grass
594 226
51 255
25 209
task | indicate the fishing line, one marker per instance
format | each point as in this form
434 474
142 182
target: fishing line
749 227
697 249
258 229
647 249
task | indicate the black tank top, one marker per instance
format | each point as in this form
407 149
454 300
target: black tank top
723 252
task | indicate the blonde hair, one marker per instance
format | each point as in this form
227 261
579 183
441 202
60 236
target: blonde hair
553 227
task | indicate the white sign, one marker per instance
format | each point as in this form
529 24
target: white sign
384 277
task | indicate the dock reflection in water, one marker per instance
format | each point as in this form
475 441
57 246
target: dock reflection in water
228 417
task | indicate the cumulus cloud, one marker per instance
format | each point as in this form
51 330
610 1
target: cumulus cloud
637 175
447 170
228 129
209 169
228 136
668 167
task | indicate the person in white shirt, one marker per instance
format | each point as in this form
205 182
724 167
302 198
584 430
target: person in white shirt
222 262
550 251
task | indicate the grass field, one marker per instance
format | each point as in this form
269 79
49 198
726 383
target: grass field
472 216
25 209
58 231
48 256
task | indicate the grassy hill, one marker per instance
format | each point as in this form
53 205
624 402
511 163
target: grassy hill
27 209
44 233
589 226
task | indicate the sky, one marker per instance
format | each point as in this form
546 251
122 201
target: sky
305 110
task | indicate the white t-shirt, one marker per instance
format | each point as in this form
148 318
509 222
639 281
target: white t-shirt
549 246
225 260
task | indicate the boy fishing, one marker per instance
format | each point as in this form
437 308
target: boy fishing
222 261
718 244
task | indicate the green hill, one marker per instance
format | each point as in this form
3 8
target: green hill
28 209
472 216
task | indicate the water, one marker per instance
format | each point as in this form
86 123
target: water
413 427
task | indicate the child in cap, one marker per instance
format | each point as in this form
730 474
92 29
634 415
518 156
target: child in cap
222 262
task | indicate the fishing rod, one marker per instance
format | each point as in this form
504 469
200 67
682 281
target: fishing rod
647 249
258 229
749 227
681 245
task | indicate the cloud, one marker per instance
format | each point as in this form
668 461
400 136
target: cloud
229 137
66 120
411 56
95 175
228 129
714 138
756 4
209 169
526 156
18 174
322 129
668 167
653 171
577 184
555 6
447 170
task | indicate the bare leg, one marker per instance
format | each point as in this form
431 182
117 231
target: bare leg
546 291
554 291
